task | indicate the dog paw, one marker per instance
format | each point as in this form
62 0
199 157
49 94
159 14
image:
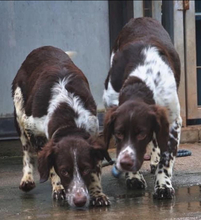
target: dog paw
59 194
153 168
135 183
100 200
26 186
164 193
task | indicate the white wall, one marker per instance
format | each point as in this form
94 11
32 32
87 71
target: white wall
82 26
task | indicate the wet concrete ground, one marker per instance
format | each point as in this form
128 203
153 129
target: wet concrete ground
126 205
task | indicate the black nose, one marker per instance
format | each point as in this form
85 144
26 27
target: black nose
79 200
127 163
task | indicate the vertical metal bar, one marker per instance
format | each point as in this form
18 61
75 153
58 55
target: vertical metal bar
168 17
193 111
179 41
157 10
115 20
147 8
138 8
120 13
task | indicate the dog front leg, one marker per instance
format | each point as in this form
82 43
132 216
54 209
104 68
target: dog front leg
58 192
163 185
155 155
97 197
135 180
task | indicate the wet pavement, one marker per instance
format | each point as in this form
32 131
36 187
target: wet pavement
139 204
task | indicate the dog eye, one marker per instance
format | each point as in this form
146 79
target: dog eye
65 173
86 172
119 135
141 136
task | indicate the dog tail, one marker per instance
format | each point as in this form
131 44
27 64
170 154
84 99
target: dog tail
71 54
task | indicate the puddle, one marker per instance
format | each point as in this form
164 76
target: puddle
126 205
138 205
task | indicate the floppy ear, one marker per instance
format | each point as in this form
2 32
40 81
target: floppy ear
160 126
109 125
99 150
45 161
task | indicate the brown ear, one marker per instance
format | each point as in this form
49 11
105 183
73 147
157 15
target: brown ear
161 127
45 161
109 125
98 149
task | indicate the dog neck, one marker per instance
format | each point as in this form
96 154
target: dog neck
69 131
135 89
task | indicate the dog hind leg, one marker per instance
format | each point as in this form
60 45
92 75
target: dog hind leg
27 181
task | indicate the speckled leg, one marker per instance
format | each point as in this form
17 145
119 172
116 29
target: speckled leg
58 192
27 182
163 186
97 197
155 155
135 180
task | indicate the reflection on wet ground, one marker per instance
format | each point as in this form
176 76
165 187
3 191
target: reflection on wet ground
126 205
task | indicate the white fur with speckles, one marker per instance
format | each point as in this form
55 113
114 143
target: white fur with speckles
56 182
138 176
27 168
155 158
128 150
162 178
165 93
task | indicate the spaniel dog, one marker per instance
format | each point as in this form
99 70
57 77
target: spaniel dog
142 102
55 116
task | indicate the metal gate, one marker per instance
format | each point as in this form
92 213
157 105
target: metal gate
187 32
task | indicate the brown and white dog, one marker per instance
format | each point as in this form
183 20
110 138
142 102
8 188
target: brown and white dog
143 106
55 116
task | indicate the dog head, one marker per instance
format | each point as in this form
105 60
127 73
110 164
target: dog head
74 160
133 125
